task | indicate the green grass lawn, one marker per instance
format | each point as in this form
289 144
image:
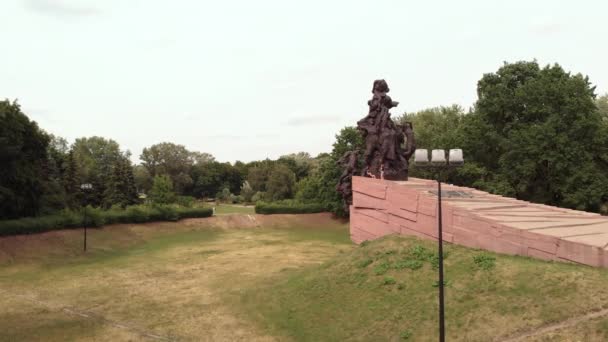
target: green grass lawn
233 209
295 278
386 291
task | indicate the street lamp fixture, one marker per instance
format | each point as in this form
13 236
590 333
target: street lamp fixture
437 163
85 188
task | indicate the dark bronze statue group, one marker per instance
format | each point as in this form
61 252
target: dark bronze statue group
388 146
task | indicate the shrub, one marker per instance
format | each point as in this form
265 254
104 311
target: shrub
484 261
185 201
364 263
96 218
137 214
194 212
288 207
389 281
166 213
382 268
258 196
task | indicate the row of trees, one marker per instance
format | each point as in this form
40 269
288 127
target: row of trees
535 133
42 173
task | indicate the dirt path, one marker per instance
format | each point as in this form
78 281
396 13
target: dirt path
89 315
524 336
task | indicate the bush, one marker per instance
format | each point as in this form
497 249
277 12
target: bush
185 201
194 212
96 218
258 196
137 214
288 207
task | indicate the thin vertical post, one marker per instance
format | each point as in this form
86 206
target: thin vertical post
85 229
440 242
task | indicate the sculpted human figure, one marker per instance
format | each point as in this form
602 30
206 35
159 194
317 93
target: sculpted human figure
379 131
388 147
349 162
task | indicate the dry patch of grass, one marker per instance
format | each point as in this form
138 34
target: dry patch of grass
159 279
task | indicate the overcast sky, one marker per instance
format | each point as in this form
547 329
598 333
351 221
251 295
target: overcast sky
251 79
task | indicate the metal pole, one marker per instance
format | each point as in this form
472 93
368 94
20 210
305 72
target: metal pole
85 229
440 241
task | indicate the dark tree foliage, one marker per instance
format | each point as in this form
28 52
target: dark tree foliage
212 177
537 134
54 196
71 182
120 188
281 183
173 160
320 187
23 156
95 158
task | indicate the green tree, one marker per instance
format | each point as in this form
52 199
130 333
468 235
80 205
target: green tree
143 179
95 158
211 177
320 185
247 191
281 183
173 160
602 105
224 195
439 127
23 156
71 181
258 177
536 134
162 190
120 188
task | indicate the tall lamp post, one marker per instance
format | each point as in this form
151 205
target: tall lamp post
437 163
85 189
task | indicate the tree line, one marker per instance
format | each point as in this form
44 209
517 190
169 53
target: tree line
535 133
42 173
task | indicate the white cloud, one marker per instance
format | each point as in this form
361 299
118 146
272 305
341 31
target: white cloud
313 120
61 8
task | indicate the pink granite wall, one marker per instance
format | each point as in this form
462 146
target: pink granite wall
482 220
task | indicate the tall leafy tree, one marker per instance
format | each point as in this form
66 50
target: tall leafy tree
54 196
320 186
281 183
95 158
120 188
602 105
23 156
71 181
175 161
536 134
162 190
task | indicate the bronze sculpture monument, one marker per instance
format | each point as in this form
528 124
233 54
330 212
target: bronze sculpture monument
388 146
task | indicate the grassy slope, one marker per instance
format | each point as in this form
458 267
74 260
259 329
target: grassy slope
378 293
158 277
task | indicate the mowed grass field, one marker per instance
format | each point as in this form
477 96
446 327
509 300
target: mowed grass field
245 277
158 281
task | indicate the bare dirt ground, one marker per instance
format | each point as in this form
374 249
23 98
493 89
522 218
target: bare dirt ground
158 281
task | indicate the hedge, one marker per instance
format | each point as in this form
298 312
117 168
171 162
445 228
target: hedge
288 207
96 218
